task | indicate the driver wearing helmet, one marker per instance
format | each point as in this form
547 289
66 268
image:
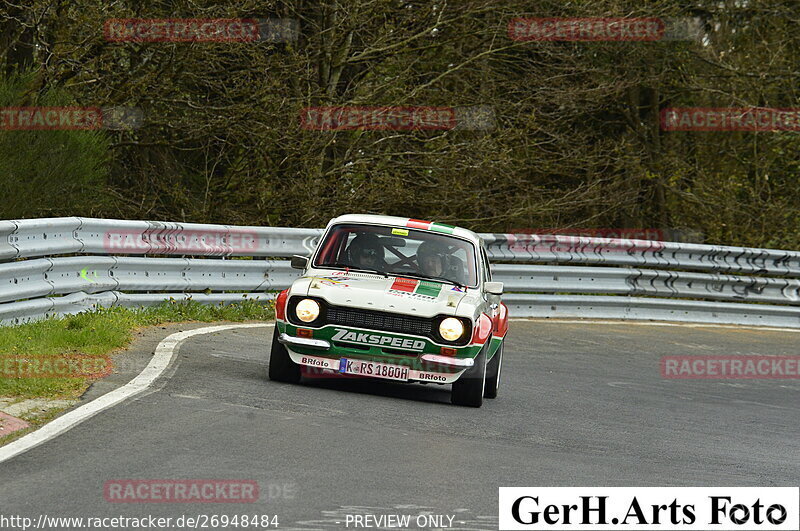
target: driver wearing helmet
366 251
432 258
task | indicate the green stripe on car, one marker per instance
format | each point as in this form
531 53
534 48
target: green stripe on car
428 288
441 227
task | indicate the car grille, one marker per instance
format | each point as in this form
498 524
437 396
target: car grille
383 321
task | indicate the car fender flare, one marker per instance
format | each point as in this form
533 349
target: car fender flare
501 321
482 332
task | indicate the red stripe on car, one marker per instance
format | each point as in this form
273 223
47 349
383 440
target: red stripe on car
404 284
418 224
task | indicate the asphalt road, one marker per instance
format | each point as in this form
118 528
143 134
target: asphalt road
580 405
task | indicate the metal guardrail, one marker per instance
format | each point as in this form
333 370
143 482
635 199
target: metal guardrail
57 236
86 282
639 253
46 277
647 309
649 282
140 263
54 236
34 309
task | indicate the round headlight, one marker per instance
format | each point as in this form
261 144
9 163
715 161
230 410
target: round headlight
307 310
451 328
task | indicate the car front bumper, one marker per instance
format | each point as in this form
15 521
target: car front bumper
321 344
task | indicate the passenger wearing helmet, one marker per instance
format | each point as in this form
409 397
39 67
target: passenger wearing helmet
366 251
432 258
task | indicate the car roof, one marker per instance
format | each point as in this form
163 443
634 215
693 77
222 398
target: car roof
396 221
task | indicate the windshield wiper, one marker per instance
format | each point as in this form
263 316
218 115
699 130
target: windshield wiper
427 277
348 267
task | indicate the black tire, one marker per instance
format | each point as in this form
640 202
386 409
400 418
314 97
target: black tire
493 369
468 390
281 366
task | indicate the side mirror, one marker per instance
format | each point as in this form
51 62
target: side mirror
299 262
493 288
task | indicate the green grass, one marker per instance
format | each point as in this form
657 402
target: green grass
100 333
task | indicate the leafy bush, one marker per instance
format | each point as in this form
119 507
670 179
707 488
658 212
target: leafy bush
48 173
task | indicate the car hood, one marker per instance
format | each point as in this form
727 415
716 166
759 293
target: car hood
375 292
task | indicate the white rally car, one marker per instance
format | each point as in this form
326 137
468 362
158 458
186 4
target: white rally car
398 299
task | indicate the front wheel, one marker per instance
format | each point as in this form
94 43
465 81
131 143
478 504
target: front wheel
281 366
469 388
493 369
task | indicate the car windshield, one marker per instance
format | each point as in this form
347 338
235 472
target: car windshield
399 252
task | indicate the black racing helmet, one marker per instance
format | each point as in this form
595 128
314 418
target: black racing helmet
365 249
430 248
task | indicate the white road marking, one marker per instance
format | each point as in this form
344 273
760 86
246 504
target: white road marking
164 354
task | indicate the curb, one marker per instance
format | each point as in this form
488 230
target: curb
164 354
